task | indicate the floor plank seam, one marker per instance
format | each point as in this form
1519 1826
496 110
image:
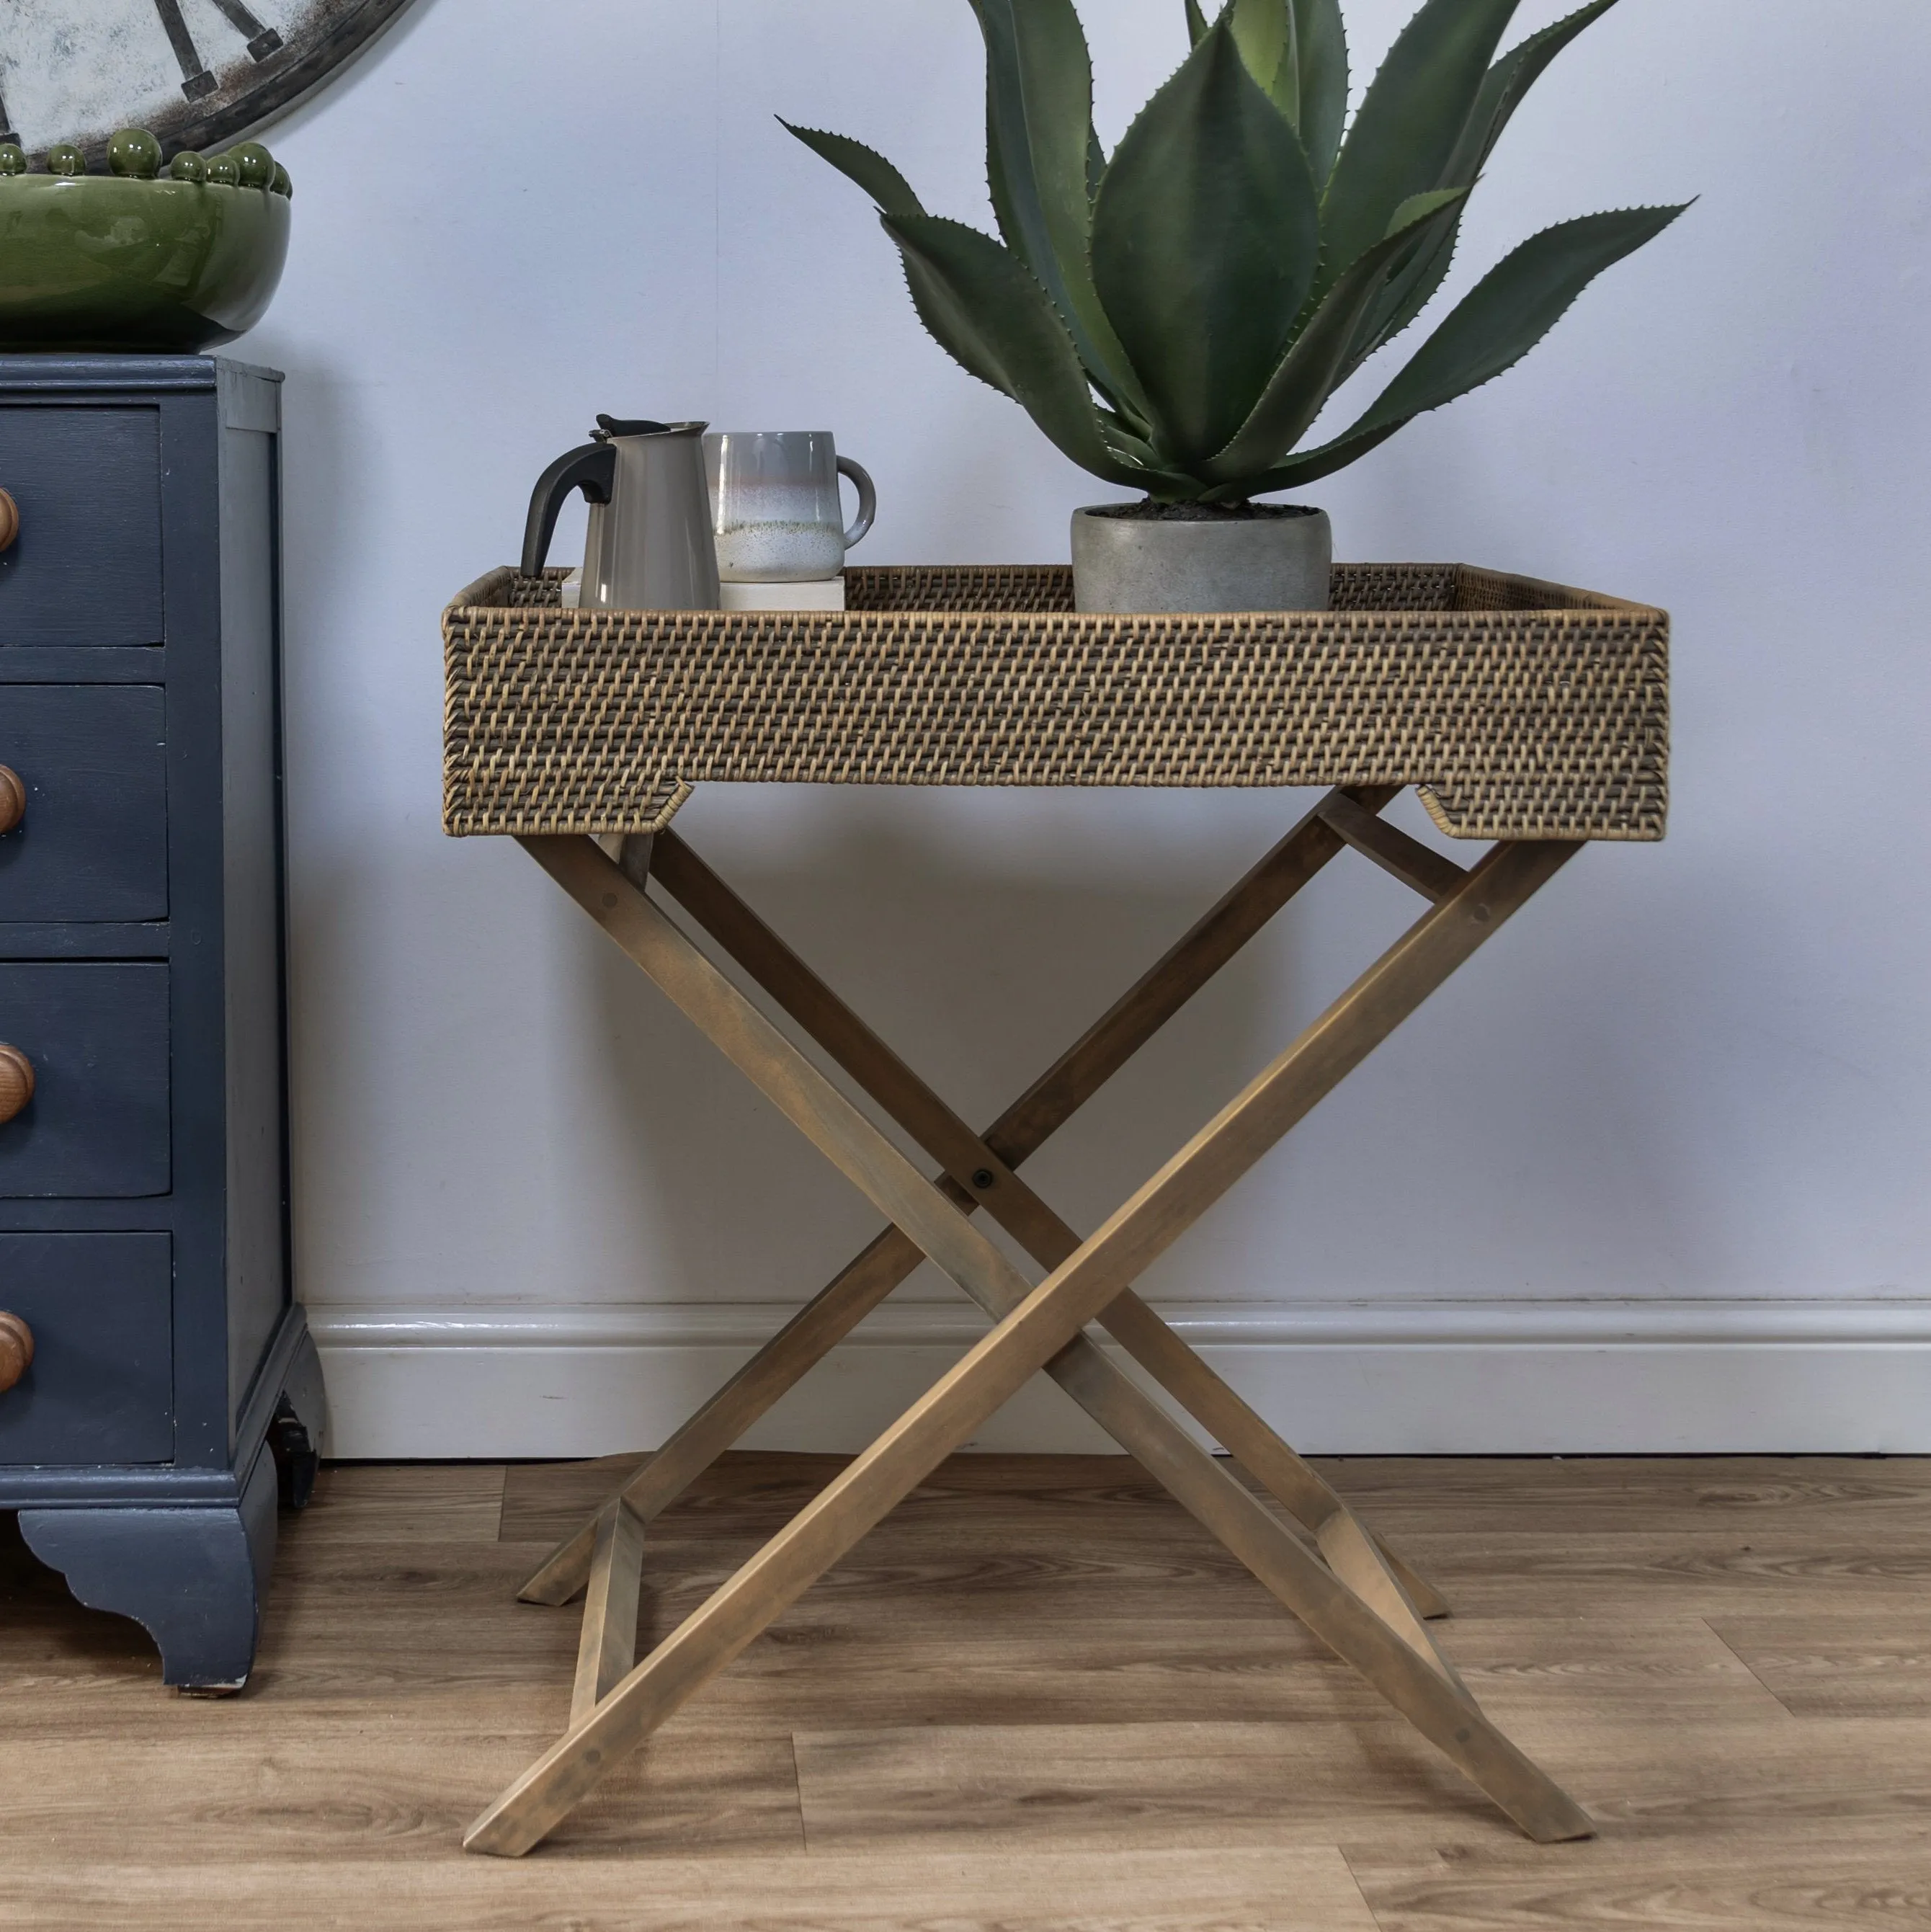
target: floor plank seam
798 1791
1756 1676
1354 1879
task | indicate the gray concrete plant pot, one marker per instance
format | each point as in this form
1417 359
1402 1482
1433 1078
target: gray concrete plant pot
1143 557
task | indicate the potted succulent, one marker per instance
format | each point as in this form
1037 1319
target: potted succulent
1176 315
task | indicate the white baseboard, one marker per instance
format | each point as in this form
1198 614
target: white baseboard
1496 1377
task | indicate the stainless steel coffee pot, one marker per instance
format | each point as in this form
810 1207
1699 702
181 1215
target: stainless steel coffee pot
649 546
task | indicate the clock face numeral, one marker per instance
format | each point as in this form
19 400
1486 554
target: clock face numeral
197 82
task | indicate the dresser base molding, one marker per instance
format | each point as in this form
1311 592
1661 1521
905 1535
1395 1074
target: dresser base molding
193 1579
186 1553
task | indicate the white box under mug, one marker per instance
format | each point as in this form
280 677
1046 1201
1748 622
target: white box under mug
825 593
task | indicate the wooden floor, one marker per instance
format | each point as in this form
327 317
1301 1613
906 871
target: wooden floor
1037 1697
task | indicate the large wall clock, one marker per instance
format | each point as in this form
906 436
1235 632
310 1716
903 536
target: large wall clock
198 72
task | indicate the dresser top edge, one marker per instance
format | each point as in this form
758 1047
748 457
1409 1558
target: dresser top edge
125 372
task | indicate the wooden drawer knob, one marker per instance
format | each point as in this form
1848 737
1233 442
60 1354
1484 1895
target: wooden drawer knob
13 799
9 520
16 1350
16 1081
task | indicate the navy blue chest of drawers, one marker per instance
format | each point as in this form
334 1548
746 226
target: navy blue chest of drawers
159 1392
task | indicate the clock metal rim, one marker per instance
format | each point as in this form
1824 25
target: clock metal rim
267 91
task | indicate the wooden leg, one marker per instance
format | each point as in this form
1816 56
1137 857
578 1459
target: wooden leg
608 1647
1258 1448
1418 866
1020 1131
1045 1321
980 1177
806 1339
1120 1407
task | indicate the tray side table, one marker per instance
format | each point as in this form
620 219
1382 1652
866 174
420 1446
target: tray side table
1525 712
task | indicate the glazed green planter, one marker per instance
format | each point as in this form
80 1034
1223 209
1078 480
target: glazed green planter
97 262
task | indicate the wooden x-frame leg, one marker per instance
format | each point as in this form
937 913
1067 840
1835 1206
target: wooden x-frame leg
1019 1132
1364 1604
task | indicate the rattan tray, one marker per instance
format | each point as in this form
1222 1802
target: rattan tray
1521 709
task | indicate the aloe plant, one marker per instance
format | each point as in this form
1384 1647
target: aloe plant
1175 316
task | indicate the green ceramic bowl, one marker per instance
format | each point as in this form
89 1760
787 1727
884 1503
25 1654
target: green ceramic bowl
101 262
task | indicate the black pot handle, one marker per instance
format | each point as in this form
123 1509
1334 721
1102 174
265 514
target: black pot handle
592 469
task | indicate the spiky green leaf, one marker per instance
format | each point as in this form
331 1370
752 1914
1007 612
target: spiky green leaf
1205 242
1296 50
950 321
1038 125
1300 387
1038 113
988 309
1507 314
1264 31
1504 86
893 196
1414 284
1321 47
1196 23
871 171
1411 122
1127 442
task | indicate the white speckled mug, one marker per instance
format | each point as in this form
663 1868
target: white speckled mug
774 507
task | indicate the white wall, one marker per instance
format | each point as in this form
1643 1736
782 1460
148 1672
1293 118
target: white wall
1650 1174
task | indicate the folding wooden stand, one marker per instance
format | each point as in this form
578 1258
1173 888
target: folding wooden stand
1353 1592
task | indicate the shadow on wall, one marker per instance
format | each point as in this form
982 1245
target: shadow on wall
980 980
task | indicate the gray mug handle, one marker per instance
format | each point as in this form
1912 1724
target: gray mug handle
868 498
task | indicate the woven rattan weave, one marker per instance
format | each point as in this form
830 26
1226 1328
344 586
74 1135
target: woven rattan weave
1522 710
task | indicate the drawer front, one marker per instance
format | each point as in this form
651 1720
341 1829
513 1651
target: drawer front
97 1037
92 844
86 566
100 1388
